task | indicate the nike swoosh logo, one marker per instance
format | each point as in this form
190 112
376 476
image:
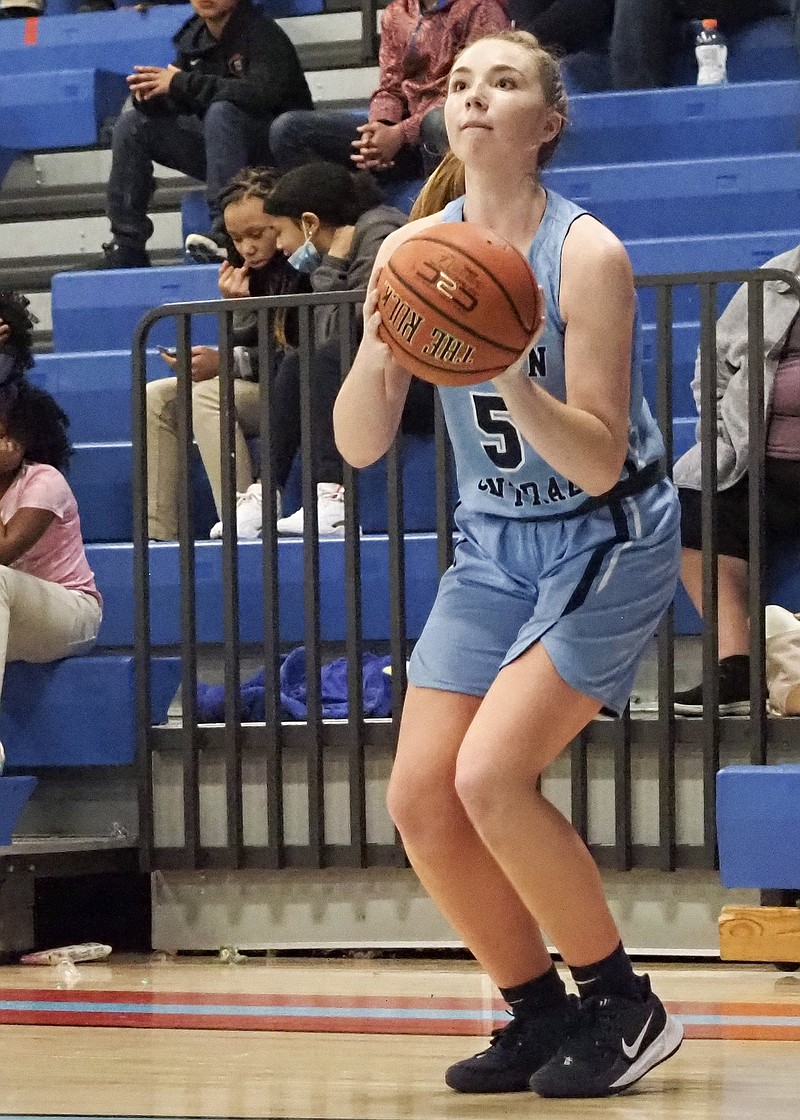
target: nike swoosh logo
631 1052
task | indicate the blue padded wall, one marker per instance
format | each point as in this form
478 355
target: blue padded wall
758 825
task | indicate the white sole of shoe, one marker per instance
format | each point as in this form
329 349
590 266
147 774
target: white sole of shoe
737 708
661 1048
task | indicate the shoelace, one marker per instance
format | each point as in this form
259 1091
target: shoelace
598 1026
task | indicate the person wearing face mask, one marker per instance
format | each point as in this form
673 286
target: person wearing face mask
257 268
50 607
330 223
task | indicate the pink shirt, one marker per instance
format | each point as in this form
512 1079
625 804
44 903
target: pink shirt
58 556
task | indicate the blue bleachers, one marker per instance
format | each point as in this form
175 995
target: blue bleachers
58 109
100 310
688 198
758 824
78 712
687 123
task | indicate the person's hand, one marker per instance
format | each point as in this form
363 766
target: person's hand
373 350
377 145
5 331
147 82
342 242
234 283
519 370
205 362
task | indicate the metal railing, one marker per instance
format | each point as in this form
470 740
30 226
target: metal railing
192 789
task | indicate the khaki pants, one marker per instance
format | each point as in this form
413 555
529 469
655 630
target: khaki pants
162 445
42 621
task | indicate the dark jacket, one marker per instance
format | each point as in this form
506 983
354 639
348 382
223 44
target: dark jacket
565 25
253 65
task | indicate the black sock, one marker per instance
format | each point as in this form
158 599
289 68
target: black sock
530 997
613 976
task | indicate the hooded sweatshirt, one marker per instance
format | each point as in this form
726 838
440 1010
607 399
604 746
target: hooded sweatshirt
417 52
253 65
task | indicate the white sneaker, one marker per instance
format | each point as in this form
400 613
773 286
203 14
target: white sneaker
248 515
330 513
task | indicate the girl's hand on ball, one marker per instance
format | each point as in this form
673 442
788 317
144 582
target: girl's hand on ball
519 370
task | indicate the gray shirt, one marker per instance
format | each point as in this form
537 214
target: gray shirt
780 309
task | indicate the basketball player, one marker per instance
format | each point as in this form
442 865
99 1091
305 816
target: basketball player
567 555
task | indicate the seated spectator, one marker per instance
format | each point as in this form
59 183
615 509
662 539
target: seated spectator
258 270
208 115
331 223
403 135
49 605
577 31
782 508
646 33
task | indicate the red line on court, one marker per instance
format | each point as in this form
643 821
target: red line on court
30 32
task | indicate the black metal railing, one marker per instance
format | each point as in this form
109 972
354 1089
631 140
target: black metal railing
192 784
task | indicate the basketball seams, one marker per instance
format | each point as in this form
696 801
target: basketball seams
442 313
429 235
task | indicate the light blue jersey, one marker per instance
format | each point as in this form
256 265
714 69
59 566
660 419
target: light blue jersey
498 472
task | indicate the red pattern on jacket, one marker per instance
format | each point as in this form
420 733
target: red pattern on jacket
417 52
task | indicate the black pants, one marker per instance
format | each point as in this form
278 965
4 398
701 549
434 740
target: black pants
326 375
781 510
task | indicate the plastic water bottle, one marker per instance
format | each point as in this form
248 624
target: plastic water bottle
711 52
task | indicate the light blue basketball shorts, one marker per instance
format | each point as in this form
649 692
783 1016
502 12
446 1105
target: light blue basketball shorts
591 588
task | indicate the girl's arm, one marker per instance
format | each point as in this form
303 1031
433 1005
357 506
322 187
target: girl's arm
22 532
370 403
585 438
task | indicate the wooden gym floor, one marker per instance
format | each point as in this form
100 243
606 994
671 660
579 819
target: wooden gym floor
356 1040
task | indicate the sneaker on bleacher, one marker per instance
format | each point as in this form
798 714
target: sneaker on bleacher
206 248
248 515
121 256
330 513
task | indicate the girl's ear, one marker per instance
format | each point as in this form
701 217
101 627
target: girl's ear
309 223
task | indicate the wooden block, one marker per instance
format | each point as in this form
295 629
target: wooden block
760 933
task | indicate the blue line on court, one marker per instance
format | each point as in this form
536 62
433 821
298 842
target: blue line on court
155 1010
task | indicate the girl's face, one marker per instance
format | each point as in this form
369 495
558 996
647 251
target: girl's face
495 112
251 231
11 452
291 234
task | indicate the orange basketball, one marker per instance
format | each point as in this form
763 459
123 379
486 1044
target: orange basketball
458 304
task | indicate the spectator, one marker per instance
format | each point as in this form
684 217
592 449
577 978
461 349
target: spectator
259 270
331 223
49 605
646 33
576 30
782 509
402 136
208 114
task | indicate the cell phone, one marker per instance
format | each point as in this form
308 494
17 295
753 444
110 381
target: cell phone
167 350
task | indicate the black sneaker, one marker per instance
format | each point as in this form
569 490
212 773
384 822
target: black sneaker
206 248
120 256
516 1051
734 690
614 1043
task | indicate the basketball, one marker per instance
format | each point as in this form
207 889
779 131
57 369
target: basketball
458 304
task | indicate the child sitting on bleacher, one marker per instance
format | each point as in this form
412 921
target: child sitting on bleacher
49 605
257 268
330 222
